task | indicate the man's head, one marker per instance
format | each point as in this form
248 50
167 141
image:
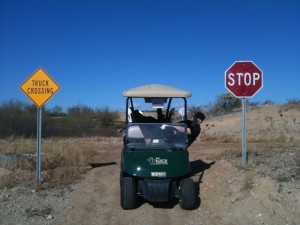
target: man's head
199 116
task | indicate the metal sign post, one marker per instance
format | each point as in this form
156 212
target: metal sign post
39 87
243 79
39 145
244 139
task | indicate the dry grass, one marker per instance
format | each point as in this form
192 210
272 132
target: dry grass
63 160
16 145
14 177
7 181
285 165
277 157
220 138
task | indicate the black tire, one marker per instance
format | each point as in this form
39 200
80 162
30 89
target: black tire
188 194
128 193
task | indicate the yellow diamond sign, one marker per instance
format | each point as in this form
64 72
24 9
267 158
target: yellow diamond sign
39 87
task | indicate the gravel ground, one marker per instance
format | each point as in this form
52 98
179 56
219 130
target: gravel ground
26 205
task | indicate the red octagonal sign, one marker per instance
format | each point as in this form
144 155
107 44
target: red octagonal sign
243 79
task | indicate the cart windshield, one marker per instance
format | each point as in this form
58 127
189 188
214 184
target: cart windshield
148 136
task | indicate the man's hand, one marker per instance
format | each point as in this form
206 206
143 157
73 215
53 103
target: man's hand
163 127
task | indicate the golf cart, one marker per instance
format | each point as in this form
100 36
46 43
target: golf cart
155 161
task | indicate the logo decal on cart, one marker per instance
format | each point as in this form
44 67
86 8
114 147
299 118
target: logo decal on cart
157 161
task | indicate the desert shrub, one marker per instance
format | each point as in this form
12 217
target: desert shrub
56 111
281 138
285 165
248 183
254 103
195 108
80 111
292 101
268 102
106 116
19 119
227 102
224 103
7 181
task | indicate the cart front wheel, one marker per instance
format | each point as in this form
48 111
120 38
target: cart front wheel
188 194
128 193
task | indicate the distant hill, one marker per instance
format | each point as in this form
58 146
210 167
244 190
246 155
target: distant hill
263 121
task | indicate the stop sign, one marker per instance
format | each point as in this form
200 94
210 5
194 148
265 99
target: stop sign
243 79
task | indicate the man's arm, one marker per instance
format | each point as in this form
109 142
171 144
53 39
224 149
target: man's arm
180 129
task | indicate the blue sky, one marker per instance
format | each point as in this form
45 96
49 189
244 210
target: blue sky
96 49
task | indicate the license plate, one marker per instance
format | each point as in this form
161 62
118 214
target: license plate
158 174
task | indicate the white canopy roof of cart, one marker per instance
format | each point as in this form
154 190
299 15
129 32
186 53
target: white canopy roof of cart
156 91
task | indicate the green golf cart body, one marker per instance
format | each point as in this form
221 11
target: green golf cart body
154 160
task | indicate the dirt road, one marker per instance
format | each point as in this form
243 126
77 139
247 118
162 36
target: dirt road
223 196
96 200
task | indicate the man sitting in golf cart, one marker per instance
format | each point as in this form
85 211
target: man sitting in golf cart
193 127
